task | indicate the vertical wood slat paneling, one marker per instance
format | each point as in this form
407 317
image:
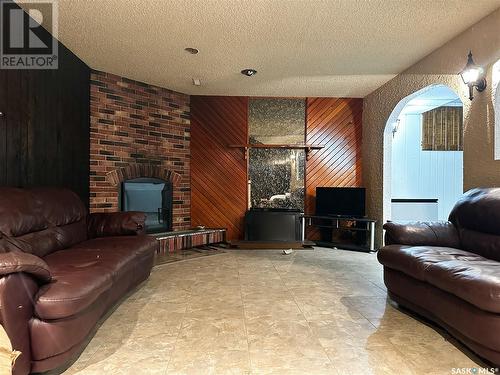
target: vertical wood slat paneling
3 126
44 132
219 173
336 124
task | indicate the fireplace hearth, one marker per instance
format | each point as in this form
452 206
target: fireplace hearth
152 196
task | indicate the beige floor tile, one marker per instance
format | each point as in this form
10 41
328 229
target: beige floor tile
264 334
314 311
216 312
212 334
211 325
220 302
291 360
218 362
331 333
226 341
216 287
369 307
272 309
267 292
379 360
258 312
434 356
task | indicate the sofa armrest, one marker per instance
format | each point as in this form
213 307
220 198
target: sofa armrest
17 261
17 294
116 224
439 233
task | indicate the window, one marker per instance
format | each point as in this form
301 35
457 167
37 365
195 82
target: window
442 129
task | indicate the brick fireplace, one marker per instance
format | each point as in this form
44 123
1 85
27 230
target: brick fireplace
138 130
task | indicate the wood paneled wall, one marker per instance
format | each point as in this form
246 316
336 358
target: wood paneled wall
336 124
219 181
44 132
219 173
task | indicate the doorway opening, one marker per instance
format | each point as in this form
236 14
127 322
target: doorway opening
423 156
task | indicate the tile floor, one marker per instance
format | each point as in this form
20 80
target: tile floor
187 254
318 311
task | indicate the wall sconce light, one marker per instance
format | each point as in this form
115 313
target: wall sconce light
473 76
395 127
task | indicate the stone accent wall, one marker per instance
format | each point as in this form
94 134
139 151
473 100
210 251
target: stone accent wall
133 123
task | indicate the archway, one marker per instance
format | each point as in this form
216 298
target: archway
419 102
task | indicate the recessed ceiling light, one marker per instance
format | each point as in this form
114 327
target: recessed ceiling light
249 72
192 51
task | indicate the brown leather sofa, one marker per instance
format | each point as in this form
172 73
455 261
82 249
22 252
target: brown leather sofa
449 272
61 271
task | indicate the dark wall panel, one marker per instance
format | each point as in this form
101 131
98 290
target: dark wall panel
3 127
44 132
219 173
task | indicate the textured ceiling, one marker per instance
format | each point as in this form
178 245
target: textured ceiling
299 47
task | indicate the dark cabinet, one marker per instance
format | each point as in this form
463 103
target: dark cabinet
270 224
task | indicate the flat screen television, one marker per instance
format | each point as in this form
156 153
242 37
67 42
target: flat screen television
340 201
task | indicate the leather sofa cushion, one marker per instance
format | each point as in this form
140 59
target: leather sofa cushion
484 244
21 213
42 220
478 210
65 211
467 275
119 250
437 233
60 206
77 282
477 216
85 271
38 243
56 338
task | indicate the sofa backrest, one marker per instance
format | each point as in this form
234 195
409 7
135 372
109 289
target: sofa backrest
477 218
42 220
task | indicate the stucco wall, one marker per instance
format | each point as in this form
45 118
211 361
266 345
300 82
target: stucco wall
440 67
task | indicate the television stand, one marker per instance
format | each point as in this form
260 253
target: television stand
350 233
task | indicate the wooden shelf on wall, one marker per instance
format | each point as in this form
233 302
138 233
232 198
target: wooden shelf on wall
307 148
